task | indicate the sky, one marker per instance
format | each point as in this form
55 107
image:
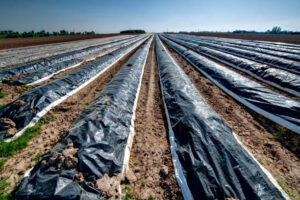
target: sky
110 16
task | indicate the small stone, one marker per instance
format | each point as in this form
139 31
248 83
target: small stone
44 162
10 132
163 172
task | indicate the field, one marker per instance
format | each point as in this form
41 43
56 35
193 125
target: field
293 39
150 116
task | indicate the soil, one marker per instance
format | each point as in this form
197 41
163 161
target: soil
61 118
250 129
293 39
150 158
12 92
8 43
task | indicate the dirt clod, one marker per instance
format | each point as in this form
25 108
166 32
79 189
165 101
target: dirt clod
79 177
17 104
109 186
163 172
129 176
8 127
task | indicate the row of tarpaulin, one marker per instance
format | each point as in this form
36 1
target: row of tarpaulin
209 160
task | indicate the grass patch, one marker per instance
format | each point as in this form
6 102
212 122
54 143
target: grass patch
1 105
2 162
2 94
3 185
9 148
128 195
260 161
289 192
47 119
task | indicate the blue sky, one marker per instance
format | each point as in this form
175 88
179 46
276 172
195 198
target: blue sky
105 16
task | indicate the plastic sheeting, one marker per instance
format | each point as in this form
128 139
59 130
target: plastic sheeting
209 161
259 50
278 78
282 63
251 43
102 133
27 54
41 99
45 73
272 105
42 64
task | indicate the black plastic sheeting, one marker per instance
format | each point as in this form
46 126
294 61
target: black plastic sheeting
101 133
41 99
282 63
250 43
42 64
44 73
259 50
278 78
272 105
210 162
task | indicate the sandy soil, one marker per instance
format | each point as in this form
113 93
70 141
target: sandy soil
294 39
280 162
63 115
8 43
150 159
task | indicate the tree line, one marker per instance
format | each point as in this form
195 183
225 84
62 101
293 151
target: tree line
42 33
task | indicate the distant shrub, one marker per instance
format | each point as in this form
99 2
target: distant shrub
134 31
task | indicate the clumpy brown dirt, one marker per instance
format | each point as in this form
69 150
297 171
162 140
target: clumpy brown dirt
8 43
150 159
293 39
12 92
280 162
59 119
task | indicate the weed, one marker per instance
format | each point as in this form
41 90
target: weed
22 90
2 94
129 196
13 82
9 148
143 184
260 161
37 157
150 198
289 191
1 105
281 129
277 137
3 185
47 119
2 162
31 152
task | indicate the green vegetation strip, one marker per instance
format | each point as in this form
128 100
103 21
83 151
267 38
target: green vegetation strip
9 148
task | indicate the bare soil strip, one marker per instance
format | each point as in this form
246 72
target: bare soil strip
150 158
293 39
280 162
60 118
